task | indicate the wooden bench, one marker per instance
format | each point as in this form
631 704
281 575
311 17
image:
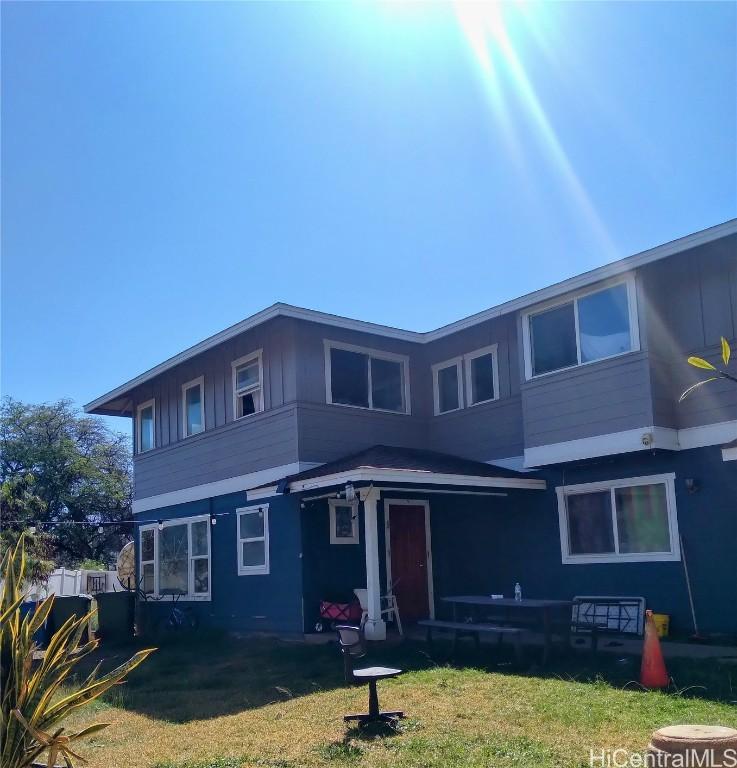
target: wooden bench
475 630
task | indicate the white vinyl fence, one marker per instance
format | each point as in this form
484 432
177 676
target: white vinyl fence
64 582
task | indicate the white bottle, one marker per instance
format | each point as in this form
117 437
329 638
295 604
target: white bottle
517 592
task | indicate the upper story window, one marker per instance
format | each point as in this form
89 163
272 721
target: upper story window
478 369
248 388
593 326
366 378
174 558
482 376
448 386
146 426
193 406
619 520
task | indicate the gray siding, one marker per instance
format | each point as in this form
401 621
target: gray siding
276 339
608 396
269 439
691 301
327 432
484 432
491 430
310 360
686 302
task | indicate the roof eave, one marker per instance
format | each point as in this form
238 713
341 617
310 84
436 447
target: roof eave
410 476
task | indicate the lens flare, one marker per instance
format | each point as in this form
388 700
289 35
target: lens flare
487 27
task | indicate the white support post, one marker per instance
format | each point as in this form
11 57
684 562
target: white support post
375 627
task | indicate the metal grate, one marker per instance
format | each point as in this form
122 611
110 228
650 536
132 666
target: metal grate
621 615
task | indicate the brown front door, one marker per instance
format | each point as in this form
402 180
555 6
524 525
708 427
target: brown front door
408 551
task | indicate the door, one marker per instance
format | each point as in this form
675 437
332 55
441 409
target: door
408 546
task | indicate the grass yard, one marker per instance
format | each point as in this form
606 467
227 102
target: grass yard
231 704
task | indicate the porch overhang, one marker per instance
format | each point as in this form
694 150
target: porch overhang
411 477
383 466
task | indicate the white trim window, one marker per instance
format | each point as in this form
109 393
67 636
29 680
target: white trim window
447 384
360 377
253 540
587 327
193 407
174 558
343 521
482 375
629 520
248 389
148 560
146 426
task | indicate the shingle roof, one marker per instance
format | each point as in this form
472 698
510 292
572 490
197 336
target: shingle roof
418 460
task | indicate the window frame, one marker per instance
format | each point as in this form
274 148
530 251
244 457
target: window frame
252 570
627 280
354 538
436 368
198 382
143 562
393 357
191 595
468 358
148 404
564 491
239 363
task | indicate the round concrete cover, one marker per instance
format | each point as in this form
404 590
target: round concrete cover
679 739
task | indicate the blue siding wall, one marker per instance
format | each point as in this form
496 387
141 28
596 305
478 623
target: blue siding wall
486 545
269 603
330 571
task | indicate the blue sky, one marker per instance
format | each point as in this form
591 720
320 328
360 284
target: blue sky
169 169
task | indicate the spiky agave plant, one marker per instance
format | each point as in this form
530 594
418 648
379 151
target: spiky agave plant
31 705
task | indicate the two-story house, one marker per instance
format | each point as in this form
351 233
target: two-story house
298 455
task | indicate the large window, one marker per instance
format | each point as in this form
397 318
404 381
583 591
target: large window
253 540
620 520
175 558
146 426
586 328
248 388
365 378
193 406
448 386
343 521
482 378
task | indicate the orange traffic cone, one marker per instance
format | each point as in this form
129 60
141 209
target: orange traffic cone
653 673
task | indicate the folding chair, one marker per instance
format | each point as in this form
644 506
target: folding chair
389 606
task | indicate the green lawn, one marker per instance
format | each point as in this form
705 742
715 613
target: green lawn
228 704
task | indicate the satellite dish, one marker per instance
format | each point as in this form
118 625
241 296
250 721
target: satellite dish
127 566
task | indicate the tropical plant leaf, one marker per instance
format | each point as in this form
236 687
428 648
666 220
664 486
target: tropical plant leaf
696 386
726 351
31 711
699 362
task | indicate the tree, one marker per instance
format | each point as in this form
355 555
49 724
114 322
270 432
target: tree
21 508
60 468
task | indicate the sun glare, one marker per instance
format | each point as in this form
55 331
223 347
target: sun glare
493 31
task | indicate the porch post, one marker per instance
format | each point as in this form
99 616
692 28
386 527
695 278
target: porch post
375 627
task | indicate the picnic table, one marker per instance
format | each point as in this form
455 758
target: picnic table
544 609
